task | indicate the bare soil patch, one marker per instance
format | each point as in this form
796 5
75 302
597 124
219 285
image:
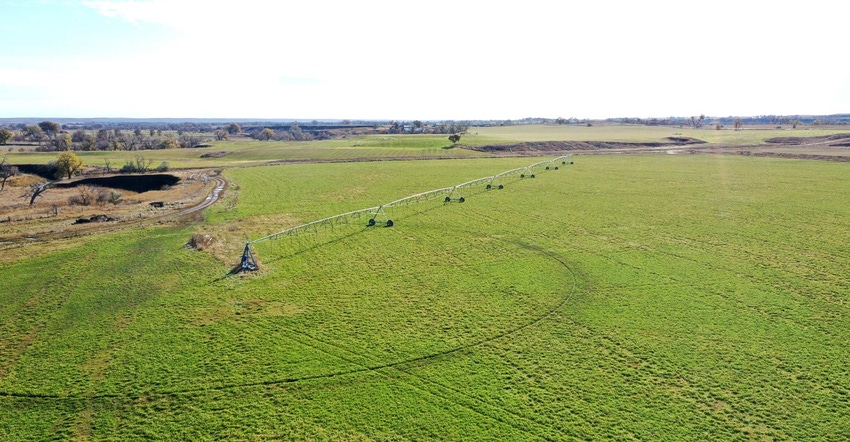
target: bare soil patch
841 139
218 154
560 146
798 156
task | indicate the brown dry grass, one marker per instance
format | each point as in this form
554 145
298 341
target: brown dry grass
228 239
252 307
52 216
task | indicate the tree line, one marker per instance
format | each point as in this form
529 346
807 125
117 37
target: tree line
49 136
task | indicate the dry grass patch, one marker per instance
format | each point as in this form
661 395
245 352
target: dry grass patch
200 241
227 240
205 316
56 209
344 194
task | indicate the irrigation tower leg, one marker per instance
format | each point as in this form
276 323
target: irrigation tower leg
248 261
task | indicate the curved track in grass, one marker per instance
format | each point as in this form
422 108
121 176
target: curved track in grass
572 283
211 199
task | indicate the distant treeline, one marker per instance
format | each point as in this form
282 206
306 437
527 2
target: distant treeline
49 136
702 120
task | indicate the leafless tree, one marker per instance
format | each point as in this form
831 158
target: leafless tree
35 190
737 123
143 164
6 170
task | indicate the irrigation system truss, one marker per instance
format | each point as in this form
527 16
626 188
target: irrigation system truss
377 215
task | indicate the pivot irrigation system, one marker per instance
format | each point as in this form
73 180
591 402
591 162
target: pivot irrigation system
378 216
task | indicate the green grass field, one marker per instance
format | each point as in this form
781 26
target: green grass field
654 297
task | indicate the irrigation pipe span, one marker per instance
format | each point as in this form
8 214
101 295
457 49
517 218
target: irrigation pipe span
449 194
492 181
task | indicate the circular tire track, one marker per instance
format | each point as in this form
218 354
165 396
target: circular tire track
572 283
211 199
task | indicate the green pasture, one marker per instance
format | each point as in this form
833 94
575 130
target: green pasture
654 297
245 152
250 152
176 158
361 147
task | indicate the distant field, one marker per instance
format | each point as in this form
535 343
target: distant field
653 297
363 147
243 152
627 133
247 152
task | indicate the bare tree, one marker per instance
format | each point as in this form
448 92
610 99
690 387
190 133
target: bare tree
50 128
5 135
6 171
62 141
189 141
737 123
35 190
143 164
233 128
265 135
33 133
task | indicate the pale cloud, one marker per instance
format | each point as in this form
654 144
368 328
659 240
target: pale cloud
457 59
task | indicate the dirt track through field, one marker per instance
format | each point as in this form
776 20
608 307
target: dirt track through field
211 198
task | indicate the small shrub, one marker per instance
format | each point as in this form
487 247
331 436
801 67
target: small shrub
200 241
129 168
163 167
109 196
86 196
140 165
114 196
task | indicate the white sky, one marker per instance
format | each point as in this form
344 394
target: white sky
420 60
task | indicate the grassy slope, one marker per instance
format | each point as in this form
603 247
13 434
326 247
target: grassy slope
710 302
